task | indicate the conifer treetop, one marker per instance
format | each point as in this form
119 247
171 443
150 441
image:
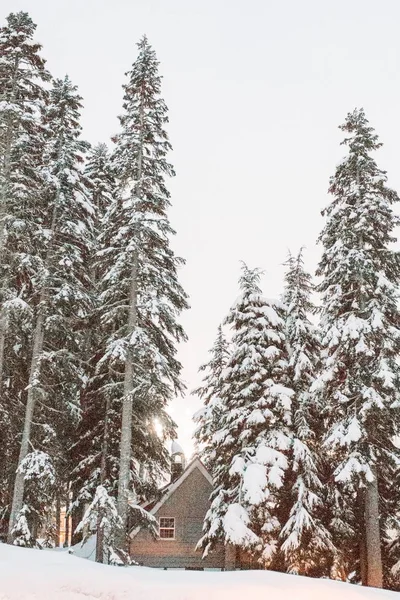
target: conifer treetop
19 51
143 143
359 315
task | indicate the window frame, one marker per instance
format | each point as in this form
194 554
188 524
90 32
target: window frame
173 529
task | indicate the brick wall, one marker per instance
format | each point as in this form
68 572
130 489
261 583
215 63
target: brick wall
188 505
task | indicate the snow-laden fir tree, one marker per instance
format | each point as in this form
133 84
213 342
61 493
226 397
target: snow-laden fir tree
22 142
305 540
98 169
252 444
208 418
22 100
40 481
90 452
359 381
141 296
101 518
61 295
23 78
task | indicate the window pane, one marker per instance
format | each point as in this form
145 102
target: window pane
167 528
167 534
167 522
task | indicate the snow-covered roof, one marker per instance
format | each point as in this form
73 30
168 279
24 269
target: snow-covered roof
176 448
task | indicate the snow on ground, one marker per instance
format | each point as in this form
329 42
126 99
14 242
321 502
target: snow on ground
86 550
48 575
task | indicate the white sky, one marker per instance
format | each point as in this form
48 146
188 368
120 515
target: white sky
256 90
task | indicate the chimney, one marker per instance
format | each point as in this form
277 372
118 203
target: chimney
178 462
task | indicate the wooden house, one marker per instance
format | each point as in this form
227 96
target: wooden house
180 513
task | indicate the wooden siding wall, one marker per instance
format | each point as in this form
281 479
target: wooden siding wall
188 505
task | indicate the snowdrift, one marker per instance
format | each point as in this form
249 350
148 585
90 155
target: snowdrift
48 575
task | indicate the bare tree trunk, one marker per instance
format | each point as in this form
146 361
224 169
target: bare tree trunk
67 518
373 535
126 426
361 543
103 475
100 539
363 561
58 519
19 484
76 518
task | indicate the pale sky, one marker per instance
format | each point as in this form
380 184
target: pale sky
256 90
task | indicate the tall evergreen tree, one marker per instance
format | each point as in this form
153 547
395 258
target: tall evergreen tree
22 100
61 283
255 433
305 538
91 450
359 382
208 418
23 77
141 296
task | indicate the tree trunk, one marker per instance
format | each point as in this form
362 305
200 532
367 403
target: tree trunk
19 485
360 512
67 517
126 426
363 561
58 519
103 475
76 518
372 534
100 539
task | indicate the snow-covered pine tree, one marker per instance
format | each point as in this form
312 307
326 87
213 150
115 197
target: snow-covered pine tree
208 418
22 100
23 78
141 295
89 453
101 518
255 433
39 475
359 382
61 285
305 540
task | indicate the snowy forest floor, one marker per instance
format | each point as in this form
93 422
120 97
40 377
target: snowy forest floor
47 575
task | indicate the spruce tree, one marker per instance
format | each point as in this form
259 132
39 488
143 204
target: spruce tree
23 96
61 284
255 432
359 382
22 142
22 99
90 452
141 296
208 418
305 539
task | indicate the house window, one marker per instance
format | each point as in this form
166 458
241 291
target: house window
167 528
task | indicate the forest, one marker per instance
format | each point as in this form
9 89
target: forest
301 394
